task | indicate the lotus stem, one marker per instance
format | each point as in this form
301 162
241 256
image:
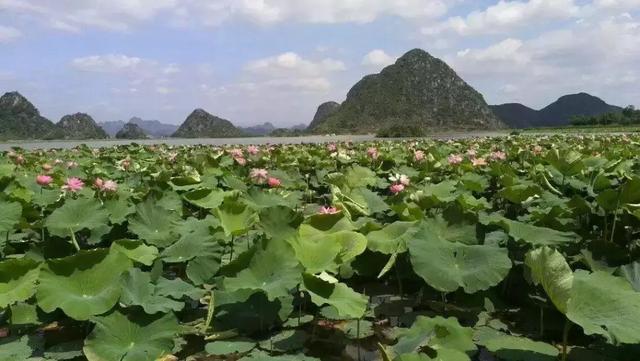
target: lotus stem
74 240
210 311
565 338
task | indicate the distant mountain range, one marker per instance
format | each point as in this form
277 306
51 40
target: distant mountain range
558 113
418 90
153 128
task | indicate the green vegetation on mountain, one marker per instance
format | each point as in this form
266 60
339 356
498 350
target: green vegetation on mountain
558 113
78 126
419 90
19 119
629 115
131 131
324 111
201 124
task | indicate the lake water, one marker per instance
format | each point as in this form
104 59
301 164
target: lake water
65 144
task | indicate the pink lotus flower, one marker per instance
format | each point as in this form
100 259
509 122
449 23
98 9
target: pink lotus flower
478 162
418 156
19 159
109 186
537 150
372 152
259 175
498 155
240 160
454 159
98 183
472 152
236 153
125 164
332 147
329 210
73 184
396 188
43 180
253 150
274 182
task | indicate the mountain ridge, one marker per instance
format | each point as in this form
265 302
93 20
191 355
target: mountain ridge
201 124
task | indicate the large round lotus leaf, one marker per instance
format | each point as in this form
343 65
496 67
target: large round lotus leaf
235 217
348 303
632 273
119 210
229 347
279 221
606 305
10 214
550 269
263 356
319 250
438 333
205 198
16 349
136 251
273 270
75 215
447 266
137 290
82 285
363 201
528 233
393 238
154 224
512 348
133 338
18 279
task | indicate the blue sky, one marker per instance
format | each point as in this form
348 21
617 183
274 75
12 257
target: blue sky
252 61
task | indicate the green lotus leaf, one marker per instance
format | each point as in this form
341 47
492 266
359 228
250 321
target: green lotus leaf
447 266
632 273
131 338
258 199
247 310
528 233
606 305
235 217
263 356
76 215
6 170
18 279
318 250
153 224
9 217
358 176
358 329
392 238
512 348
136 250
348 303
16 349
206 198
474 182
273 270
440 334
190 246
285 341
119 210
220 348
71 350
24 314
550 269
82 285
165 296
364 201
279 222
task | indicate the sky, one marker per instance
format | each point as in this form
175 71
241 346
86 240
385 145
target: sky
253 61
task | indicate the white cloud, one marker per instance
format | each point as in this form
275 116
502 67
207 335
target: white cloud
8 34
110 63
378 58
506 16
291 64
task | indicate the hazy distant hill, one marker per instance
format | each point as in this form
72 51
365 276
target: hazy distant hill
558 113
418 90
153 128
79 126
201 124
259 130
131 131
19 119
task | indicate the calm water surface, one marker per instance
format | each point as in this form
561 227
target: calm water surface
57 144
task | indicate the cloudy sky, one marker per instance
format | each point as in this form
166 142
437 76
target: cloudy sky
253 61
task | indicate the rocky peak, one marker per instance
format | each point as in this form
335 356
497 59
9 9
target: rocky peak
131 131
16 102
80 126
201 124
325 110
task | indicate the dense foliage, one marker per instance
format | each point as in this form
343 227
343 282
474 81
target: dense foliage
513 248
628 115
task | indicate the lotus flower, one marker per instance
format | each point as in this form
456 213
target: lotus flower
537 150
454 159
240 160
57 162
259 175
73 184
47 167
19 159
396 188
329 210
400 178
109 186
418 155
253 150
236 153
98 183
372 152
332 147
472 152
498 155
72 164
43 180
274 182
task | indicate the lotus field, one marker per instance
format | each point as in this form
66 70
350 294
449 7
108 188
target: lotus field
513 248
